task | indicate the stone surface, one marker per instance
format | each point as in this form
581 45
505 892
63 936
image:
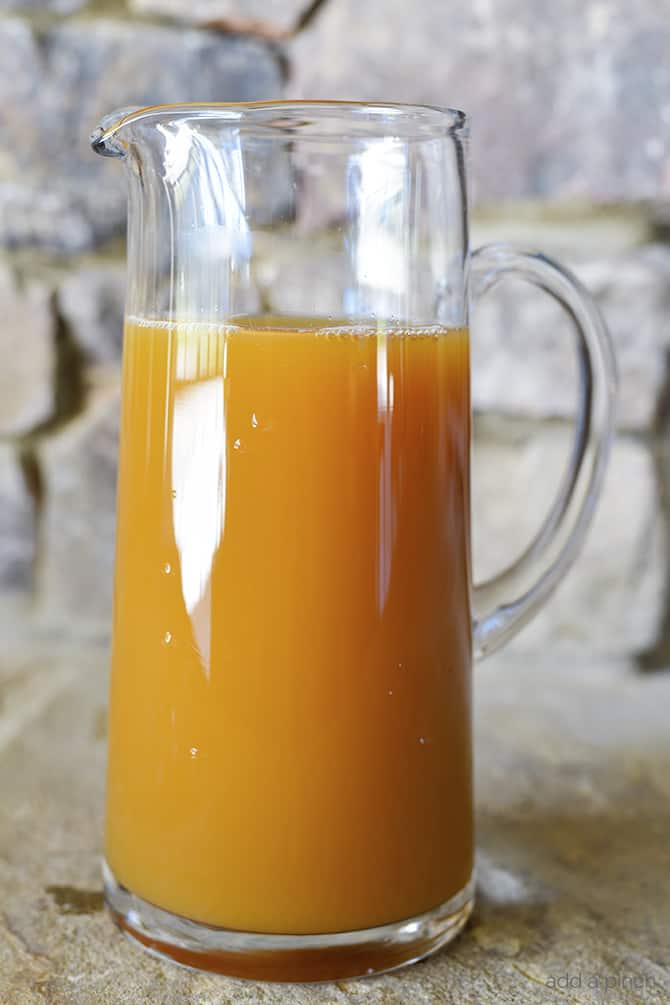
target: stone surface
78 467
568 231
17 524
40 6
612 600
573 762
28 354
271 18
574 103
522 344
54 191
307 277
91 302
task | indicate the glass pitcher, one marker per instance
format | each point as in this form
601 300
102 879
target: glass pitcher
290 771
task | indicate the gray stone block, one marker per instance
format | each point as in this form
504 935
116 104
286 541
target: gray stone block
54 191
91 302
522 344
302 276
28 354
78 465
41 6
272 18
572 102
17 524
612 600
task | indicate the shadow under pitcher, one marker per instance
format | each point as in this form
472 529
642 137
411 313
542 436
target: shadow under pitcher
289 792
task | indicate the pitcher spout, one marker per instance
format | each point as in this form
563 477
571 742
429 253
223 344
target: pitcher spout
107 138
111 137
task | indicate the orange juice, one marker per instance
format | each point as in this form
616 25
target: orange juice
290 746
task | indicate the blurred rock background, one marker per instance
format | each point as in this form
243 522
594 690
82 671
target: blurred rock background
570 105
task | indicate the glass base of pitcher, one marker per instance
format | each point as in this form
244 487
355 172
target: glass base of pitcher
258 957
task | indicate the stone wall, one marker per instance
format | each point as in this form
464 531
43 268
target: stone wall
571 151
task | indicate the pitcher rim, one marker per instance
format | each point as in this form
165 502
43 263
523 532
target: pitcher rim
412 121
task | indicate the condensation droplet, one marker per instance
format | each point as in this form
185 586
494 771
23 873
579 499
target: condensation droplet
422 739
167 638
390 692
254 420
174 493
237 444
167 568
399 666
193 751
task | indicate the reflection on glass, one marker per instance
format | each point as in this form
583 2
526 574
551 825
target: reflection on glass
377 202
204 179
199 501
385 501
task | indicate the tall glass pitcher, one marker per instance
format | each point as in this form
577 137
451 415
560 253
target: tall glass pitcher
290 779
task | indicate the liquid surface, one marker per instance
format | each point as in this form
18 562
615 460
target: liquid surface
290 745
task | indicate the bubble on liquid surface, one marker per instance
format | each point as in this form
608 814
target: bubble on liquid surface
174 493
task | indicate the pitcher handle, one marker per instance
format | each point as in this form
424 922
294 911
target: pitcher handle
503 604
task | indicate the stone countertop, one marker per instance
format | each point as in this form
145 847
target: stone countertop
573 800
